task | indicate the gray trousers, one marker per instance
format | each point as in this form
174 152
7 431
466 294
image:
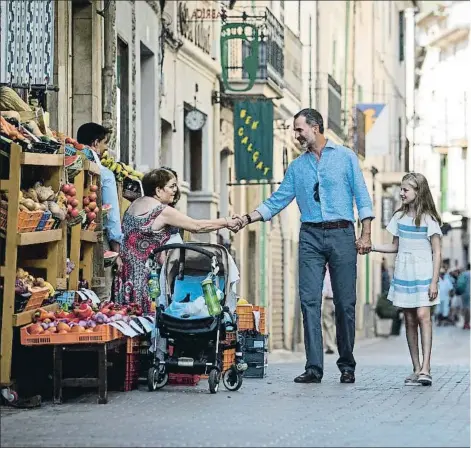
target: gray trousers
336 247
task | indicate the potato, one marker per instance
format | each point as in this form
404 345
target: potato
29 203
31 193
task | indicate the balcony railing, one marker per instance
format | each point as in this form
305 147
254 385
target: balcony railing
334 113
270 53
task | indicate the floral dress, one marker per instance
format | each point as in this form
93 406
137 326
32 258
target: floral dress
139 241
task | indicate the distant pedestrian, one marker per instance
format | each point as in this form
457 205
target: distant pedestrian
445 293
328 316
416 230
462 288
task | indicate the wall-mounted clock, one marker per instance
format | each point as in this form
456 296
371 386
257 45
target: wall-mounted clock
195 120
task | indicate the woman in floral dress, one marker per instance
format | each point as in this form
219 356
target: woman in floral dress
147 225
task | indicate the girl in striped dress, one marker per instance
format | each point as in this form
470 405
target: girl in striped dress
416 232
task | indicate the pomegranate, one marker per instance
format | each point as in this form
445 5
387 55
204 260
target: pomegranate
74 213
73 191
93 188
66 188
92 196
91 216
92 206
86 201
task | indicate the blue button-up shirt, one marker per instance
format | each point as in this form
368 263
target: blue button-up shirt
340 181
109 195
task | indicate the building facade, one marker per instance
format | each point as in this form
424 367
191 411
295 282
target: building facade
442 118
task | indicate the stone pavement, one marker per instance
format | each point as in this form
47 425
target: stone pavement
376 411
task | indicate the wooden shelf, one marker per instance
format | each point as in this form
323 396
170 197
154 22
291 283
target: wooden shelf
24 318
92 167
5 184
50 160
88 236
33 238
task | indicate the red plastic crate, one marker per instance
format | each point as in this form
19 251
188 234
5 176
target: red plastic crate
183 379
131 379
132 345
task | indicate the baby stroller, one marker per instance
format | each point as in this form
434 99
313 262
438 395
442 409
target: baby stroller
198 342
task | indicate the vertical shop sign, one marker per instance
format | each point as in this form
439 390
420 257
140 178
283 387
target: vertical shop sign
26 41
253 140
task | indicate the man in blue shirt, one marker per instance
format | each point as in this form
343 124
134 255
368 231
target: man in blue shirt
325 180
95 136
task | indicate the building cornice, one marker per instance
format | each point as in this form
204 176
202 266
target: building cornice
191 55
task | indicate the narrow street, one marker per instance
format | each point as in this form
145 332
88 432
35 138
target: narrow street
376 411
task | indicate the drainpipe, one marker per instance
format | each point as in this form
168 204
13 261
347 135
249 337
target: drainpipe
109 73
318 58
346 65
262 261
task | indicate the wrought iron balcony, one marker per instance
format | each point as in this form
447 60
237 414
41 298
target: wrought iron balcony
334 113
238 56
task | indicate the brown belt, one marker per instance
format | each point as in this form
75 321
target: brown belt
332 224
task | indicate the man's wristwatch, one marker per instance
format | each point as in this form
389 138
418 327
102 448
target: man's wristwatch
249 220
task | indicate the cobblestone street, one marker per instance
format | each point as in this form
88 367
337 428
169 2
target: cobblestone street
376 411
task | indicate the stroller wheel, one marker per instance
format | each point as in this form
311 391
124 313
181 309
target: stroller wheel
232 379
214 378
156 379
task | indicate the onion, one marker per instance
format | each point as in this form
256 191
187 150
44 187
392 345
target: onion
82 323
44 325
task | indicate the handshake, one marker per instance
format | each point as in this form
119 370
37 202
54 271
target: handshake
236 223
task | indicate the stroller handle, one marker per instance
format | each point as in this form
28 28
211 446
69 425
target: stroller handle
181 246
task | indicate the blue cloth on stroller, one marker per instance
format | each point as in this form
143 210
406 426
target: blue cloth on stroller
190 291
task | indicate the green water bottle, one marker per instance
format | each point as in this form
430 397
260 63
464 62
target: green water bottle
153 284
210 297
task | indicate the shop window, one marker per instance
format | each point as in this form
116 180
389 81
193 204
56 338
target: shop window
166 148
122 102
193 158
147 119
402 29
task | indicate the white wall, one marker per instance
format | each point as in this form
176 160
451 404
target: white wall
145 126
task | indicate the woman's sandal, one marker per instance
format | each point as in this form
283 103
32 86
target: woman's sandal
411 380
425 379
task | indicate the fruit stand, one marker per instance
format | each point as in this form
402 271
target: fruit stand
23 229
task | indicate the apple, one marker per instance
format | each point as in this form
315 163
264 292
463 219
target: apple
92 196
73 191
74 202
74 213
93 188
92 206
86 201
91 216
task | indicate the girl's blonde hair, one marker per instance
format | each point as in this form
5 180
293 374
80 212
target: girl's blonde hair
423 202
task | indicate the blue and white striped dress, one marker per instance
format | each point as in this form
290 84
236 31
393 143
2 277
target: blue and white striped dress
413 270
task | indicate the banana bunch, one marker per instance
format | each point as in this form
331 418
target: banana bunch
52 292
119 169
